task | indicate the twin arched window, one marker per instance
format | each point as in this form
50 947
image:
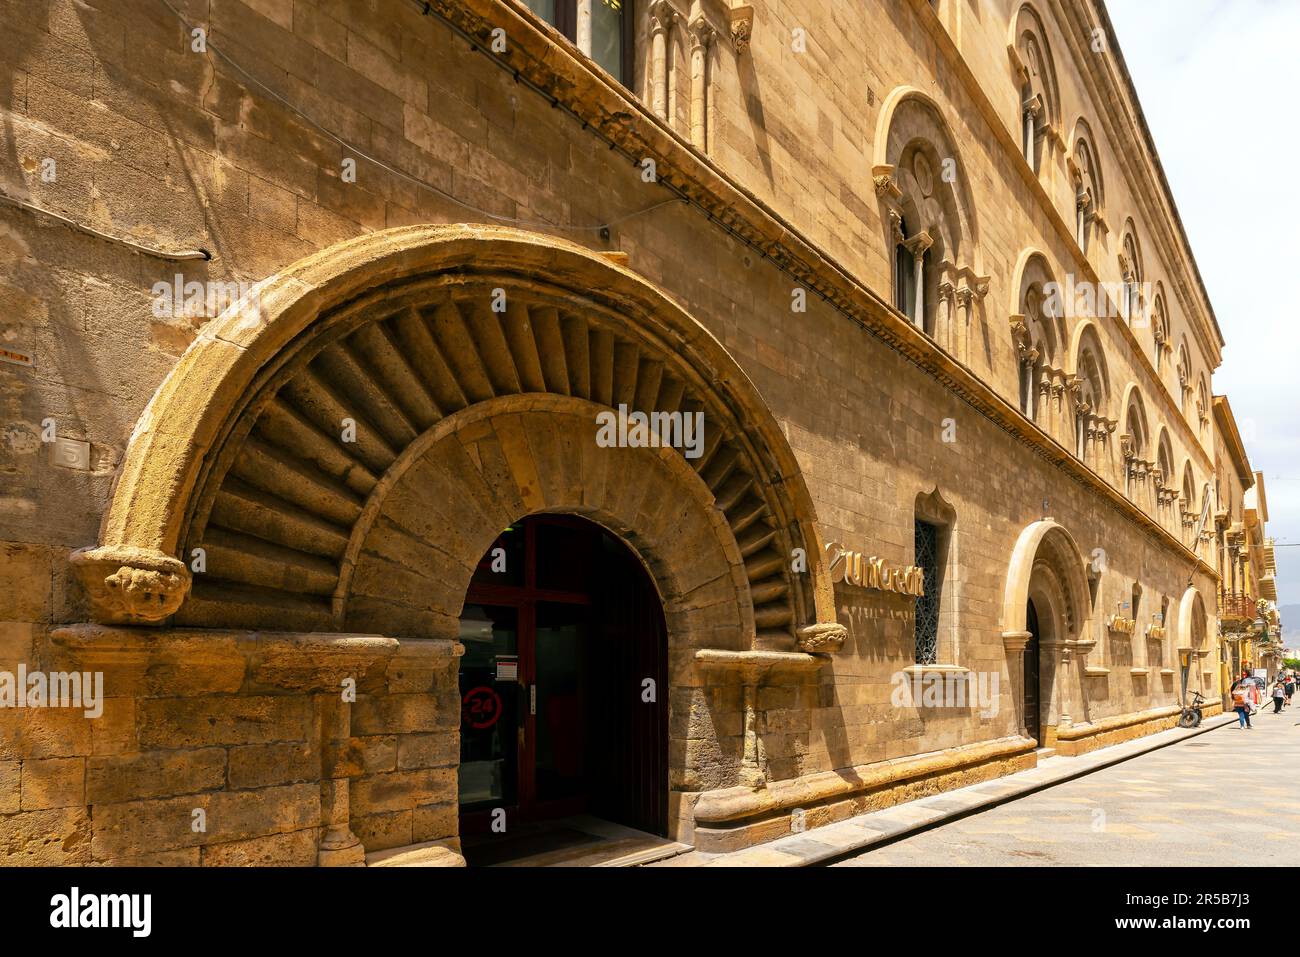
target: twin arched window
1132 305
1039 100
1088 192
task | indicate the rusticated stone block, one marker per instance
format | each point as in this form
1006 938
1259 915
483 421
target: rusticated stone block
437 750
378 752
431 822
17 645
10 776
401 714
26 577
54 782
56 837
43 733
402 790
136 826
265 765
154 774
293 849
380 831
180 857
199 722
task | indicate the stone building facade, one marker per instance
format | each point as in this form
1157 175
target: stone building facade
306 302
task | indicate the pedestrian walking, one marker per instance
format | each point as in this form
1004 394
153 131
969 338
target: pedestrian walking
1290 687
1279 695
1241 703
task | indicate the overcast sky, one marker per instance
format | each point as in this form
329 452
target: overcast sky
1219 83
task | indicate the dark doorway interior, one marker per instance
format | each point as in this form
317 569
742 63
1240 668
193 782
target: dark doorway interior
1033 705
563 688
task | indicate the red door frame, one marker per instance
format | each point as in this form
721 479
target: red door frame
524 599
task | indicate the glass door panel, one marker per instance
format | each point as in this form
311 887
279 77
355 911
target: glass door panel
490 713
561 681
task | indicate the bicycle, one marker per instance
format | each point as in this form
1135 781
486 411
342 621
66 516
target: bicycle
1191 714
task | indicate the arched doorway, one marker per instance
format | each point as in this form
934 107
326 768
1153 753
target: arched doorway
1046 609
1032 704
372 419
562 682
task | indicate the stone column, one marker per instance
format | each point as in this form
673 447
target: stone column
1060 705
965 303
1082 202
662 16
701 37
1032 109
944 314
1014 642
584 26
339 847
917 246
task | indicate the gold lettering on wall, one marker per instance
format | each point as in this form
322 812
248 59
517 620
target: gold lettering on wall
853 568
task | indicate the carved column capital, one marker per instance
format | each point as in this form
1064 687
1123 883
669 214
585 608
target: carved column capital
702 33
662 16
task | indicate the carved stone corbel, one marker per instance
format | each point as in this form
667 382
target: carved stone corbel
131 586
822 638
742 26
883 178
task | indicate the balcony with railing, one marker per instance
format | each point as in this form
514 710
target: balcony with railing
1237 609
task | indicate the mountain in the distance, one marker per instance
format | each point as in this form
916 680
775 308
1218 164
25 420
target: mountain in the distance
1290 625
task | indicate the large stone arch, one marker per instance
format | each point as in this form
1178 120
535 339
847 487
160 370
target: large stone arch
1047 568
240 451
411 556
1047 543
1193 634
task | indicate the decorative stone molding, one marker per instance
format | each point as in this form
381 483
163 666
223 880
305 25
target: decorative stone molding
1015 641
883 178
823 638
129 585
742 26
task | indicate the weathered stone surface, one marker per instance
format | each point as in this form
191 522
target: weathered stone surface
54 782
467 419
294 849
135 826
423 854
46 838
113 779
199 722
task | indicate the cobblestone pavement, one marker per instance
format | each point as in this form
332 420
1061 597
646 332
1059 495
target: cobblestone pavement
1199 802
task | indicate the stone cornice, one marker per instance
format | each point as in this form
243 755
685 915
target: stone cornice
560 73
1227 423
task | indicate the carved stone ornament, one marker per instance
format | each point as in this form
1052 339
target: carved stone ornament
823 638
131 586
742 27
701 33
662 16
883 178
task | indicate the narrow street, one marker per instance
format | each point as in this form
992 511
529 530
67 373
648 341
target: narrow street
1204 801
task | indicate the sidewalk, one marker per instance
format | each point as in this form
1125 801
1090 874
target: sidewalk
860 833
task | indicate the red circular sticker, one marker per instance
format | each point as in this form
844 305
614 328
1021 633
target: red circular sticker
480 708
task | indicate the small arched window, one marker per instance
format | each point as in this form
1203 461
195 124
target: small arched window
1159 331
1132 307
1088 190
1039 110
